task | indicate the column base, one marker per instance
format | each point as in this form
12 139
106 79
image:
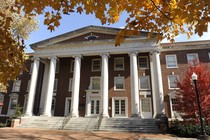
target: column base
74 115
45 115
105 116
27 115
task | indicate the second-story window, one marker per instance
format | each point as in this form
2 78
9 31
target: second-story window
171 61
95 83
72 66
172 81
143 62
16 86
119 83
119 63
192 59
144 83
55 85
96 65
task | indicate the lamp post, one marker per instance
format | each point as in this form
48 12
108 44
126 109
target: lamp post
195 78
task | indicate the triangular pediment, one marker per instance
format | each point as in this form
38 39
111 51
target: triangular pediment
86 34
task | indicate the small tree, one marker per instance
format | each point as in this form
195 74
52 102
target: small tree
18 112
187 106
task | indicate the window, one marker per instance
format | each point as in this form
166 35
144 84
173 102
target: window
119 63
31 68
171 61
13 102
192 59
72 66
70 84
96 65
57 67
174 103
209 55
172 81
1 101
28 85
118 83
95 83
144 82
145 105
55 85
16 86
143 62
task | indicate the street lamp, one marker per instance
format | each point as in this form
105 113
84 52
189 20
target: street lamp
195 78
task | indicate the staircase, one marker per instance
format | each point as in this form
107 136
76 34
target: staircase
92 124
129 124
84 124
42 122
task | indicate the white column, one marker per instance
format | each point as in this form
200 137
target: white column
50 86
44 84
104 84
75 87
157 84
32 90
134 84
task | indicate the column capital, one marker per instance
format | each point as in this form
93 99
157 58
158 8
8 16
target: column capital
76 56
155 52
36 58
53 57
104 54
133 52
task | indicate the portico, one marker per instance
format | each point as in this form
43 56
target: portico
99 93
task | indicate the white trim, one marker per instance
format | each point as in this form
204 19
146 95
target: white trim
67 106
1 97
169 85
146 114
113 106
147 61
25 103
196 59
72 66
55 85
115 80
175 60
14 86
57 66
174 114
148 79
28 85
93 63
31 68
91 83
117 69
53 109
70 84
10 111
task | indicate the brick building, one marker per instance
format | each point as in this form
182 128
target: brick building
83 74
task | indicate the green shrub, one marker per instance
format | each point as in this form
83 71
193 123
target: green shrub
3 125
187 130
18 112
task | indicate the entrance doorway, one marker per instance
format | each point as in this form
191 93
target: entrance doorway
119 107
145 108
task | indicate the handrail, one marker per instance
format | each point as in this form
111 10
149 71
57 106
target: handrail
100 120
66 120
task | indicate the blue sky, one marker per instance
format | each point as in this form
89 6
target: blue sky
76 21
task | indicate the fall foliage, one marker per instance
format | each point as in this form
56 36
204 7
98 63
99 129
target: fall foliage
168 18
186 95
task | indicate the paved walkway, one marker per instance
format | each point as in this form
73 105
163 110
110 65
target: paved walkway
43 134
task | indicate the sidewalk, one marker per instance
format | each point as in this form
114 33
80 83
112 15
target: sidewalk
43 134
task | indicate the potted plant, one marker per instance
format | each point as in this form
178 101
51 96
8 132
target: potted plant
15 119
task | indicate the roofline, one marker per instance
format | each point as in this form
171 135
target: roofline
94 27
185 43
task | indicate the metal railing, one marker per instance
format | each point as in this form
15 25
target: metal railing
66 120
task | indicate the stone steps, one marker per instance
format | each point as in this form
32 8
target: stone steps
91 124
84 124
129 125
42 122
